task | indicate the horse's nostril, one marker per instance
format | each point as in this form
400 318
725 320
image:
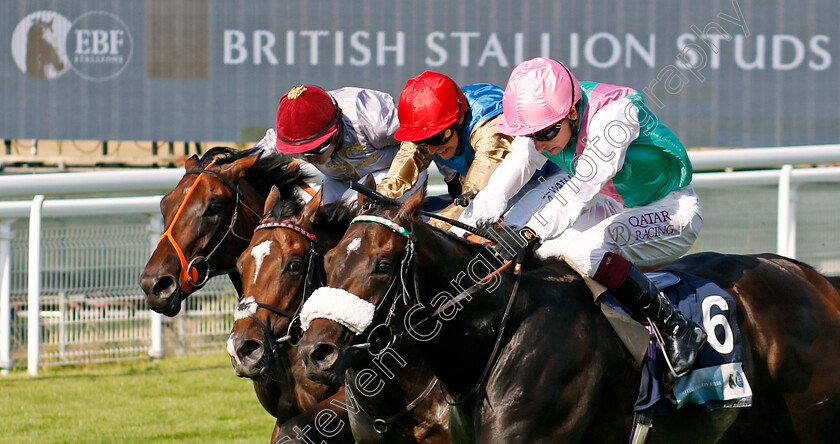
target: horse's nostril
163 284
248 348
322 352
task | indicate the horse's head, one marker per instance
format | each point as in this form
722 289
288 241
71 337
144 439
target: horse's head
364 276
40 26
208 220
279 266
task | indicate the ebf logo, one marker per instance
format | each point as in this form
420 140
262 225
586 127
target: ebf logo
97 45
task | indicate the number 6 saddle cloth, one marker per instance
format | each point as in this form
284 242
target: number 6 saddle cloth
717 379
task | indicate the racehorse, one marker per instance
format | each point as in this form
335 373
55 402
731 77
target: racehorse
529 357
279 269
40 53
210 217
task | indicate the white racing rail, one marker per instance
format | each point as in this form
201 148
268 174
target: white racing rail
149 183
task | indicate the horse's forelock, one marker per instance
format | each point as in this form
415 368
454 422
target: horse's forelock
339 212
286 208
270 169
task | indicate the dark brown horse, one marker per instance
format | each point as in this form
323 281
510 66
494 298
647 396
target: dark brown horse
279 269
209 217
214 218
557 372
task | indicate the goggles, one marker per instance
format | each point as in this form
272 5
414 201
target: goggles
439 138
546 134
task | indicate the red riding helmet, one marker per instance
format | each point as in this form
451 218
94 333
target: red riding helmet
306 118
429 103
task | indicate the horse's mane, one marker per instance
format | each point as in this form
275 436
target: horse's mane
270 169
335 216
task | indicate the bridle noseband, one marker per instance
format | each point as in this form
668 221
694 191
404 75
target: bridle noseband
190 277
248 306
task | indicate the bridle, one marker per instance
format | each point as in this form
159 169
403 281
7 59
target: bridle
314 278
190 277
380 337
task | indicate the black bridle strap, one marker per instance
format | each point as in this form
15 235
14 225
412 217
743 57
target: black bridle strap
381 425
373 194
454 301
494 353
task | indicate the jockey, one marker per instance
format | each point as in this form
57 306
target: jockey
611 146
455 127
346 134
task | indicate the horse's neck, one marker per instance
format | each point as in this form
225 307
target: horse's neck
445 269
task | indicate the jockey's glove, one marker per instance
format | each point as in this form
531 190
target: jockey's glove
453 185
513 243
464 199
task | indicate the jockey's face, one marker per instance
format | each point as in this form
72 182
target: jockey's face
558 142
448 149
321 154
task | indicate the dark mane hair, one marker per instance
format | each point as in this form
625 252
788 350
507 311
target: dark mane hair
286 208
335 216
270 169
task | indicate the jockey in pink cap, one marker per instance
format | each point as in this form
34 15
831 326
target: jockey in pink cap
625 198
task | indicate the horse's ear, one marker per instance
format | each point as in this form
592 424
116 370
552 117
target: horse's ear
412 205
236 169
192 163
369 182
271 200
310 210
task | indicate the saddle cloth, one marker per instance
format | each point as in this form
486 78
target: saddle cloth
717 379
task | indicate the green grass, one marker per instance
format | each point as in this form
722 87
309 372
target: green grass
185 400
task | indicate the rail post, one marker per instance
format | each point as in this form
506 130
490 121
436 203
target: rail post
156 349
33 336
6 362
786 216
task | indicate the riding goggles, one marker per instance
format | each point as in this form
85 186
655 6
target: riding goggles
546 134
439 138
320 149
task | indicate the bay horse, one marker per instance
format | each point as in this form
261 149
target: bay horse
279 269
529 357
210 216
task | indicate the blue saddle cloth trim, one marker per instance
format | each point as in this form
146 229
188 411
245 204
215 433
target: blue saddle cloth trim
717 379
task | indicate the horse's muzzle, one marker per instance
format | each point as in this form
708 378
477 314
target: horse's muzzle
319 360
162 294
247 356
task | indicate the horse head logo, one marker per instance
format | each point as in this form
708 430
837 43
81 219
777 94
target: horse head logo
38 45
40 53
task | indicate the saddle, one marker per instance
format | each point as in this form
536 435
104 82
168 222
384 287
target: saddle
717 379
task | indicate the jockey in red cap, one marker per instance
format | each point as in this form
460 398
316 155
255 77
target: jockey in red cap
346 134
455 127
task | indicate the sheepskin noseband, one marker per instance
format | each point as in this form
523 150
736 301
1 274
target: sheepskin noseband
337 305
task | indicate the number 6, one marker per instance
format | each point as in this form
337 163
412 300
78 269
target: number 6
710 322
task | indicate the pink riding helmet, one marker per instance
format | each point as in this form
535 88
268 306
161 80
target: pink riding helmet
539 93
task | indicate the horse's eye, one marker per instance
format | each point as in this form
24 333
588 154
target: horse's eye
383 266
213 209
295 265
